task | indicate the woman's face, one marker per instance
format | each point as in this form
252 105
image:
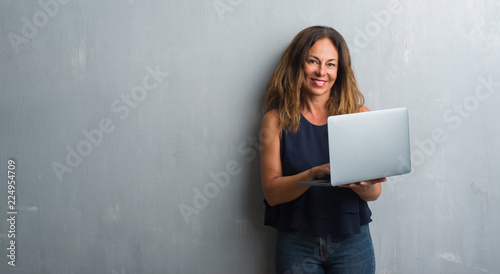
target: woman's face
320 68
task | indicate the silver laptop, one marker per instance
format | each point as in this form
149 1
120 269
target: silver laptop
367 145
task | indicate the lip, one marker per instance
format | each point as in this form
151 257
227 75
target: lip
318 82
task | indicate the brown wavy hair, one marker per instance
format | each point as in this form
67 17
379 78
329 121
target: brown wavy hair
284 88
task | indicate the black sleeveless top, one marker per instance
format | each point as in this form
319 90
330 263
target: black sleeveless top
321 211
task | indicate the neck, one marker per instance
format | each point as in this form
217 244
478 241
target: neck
314 110
315 104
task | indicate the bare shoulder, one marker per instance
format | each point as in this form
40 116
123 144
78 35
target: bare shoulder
363 109
270 127
271 119
272 113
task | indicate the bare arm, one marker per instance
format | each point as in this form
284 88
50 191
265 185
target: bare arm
277 188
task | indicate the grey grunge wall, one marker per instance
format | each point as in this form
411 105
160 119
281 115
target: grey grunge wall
129 136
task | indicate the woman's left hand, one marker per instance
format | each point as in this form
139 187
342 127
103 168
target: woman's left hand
367 190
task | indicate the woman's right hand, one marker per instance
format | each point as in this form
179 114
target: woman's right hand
320 172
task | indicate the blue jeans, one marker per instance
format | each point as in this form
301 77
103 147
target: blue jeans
301 252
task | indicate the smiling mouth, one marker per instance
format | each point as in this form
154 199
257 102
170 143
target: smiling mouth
318 83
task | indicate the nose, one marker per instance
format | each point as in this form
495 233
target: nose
321 70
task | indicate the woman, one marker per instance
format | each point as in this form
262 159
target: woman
320 229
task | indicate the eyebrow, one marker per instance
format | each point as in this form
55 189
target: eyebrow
318 58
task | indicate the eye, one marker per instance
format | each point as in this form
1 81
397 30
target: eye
312 61
332 65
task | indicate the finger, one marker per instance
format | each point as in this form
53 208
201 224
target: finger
374 181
